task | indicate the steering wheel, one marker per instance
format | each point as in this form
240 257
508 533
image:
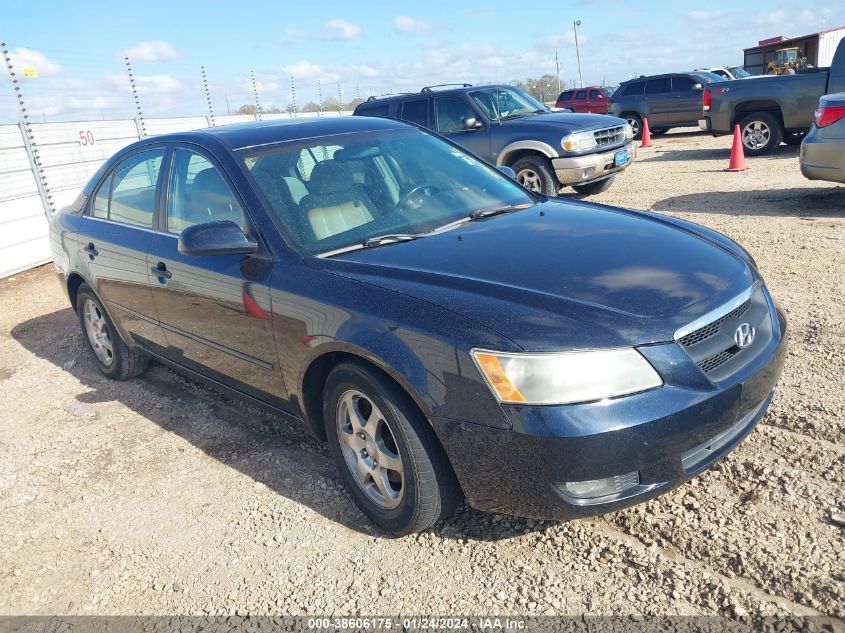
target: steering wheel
415 198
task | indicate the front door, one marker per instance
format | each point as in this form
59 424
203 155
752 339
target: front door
659 103
113 240
451 114
215 309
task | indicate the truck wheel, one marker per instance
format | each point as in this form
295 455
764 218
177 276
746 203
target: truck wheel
536 174
114 358
761 133
386 452
594 187
636 123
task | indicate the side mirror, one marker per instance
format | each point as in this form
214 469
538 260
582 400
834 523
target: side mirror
507 171
697 87
216 238
471 123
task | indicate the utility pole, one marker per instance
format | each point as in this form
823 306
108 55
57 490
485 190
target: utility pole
575 26
557 70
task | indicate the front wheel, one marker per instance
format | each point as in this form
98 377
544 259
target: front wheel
536 174
761 133
386 452
594 187
114 357
636 123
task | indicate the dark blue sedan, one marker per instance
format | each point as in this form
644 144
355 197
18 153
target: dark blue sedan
449 333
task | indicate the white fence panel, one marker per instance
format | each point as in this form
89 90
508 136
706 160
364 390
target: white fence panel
228 119
166 126
23 224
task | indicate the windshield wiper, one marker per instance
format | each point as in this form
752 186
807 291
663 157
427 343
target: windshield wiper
390 238
486 213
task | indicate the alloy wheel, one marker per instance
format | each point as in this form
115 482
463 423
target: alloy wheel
369 449
97 331
756 135
635 125
530 179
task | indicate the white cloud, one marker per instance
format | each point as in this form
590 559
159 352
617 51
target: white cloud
28 58
153 51
364 70
341 30
155 85
305 70
407 24
561 41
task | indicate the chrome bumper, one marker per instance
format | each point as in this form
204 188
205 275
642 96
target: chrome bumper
577 170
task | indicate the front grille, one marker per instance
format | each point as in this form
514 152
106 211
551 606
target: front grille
711 346
609 136
709 364
710 329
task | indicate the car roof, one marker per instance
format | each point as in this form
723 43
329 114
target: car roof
243 135
429 91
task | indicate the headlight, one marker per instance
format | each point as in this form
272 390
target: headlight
629 131
567 377
578 142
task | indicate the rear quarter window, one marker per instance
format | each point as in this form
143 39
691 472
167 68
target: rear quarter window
633 89
375 109
565 96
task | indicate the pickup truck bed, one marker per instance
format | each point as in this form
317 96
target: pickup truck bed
772 108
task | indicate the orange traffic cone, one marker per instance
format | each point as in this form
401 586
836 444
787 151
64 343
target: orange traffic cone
646 134
737 153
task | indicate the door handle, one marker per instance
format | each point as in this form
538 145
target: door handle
91 250
161 271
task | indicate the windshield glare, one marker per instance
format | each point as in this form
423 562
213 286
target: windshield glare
335 192
504 103
739 71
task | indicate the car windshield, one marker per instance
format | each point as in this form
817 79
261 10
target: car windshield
335 193
506 103
739 72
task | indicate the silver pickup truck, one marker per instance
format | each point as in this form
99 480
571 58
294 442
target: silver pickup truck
772 108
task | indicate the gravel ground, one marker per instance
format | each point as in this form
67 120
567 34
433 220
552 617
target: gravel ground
160 496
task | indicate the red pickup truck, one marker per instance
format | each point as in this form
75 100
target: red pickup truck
595 99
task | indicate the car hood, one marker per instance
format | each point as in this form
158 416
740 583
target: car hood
567 121
562 275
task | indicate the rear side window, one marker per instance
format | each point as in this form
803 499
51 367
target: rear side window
375 109
565 96
131 197
580 95
657 86
415 111
636 88
682 84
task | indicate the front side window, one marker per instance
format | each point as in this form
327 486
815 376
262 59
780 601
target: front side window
198 193
402 181
500 104
451 112
128 195
595 94
682 84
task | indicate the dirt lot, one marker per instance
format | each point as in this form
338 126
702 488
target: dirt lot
159 496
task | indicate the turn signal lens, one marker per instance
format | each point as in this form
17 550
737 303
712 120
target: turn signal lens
492 370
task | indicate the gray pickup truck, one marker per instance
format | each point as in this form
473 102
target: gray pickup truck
772 108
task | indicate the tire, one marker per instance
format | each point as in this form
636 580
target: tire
794 138
761 133
367 414
636 122
594 187
536 173
114 358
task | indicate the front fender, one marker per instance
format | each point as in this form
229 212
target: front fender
537 146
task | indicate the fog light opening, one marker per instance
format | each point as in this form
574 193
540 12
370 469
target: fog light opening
585 173
593 488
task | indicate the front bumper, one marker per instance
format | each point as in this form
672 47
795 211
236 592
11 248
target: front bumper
580 170
668 435
823 158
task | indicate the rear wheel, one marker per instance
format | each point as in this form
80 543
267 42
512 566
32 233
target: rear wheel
636 123
594 187
536 174
761 133
114 358
386 452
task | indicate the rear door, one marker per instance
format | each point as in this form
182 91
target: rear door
659 102
450 114
114 237
415 111
215 309
579 101
689 104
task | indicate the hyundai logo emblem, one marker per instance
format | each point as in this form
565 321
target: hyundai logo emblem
744 335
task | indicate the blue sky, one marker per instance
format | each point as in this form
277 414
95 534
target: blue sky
78 48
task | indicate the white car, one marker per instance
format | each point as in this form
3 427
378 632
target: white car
728 72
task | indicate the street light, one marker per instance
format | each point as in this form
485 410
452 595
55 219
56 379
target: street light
575 26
